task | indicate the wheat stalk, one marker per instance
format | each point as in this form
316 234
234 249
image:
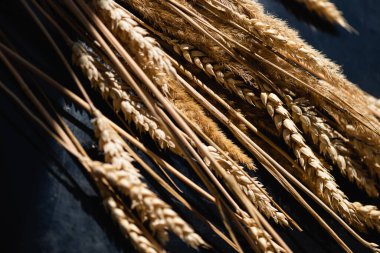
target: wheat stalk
349 119
326 183
128 179
331 143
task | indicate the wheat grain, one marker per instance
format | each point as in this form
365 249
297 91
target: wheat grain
374 105
263 239
128 179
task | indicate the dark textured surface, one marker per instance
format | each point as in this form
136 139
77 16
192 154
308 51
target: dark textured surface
48 204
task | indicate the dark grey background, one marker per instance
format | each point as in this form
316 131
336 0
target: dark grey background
48 204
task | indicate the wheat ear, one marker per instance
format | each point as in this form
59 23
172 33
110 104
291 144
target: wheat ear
331 144
276 34
122 97
144 48
128 227
128 179
327 10
124 220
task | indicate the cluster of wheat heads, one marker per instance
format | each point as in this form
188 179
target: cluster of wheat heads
224 87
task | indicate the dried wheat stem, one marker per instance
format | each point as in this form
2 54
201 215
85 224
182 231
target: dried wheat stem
331 144
128 179
86 62
123 98
327 10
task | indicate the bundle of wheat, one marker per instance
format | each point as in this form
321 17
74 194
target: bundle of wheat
228 89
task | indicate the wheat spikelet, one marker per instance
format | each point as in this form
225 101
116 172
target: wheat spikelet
368 214
331 144
128 179
327 10
122 97
374 105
